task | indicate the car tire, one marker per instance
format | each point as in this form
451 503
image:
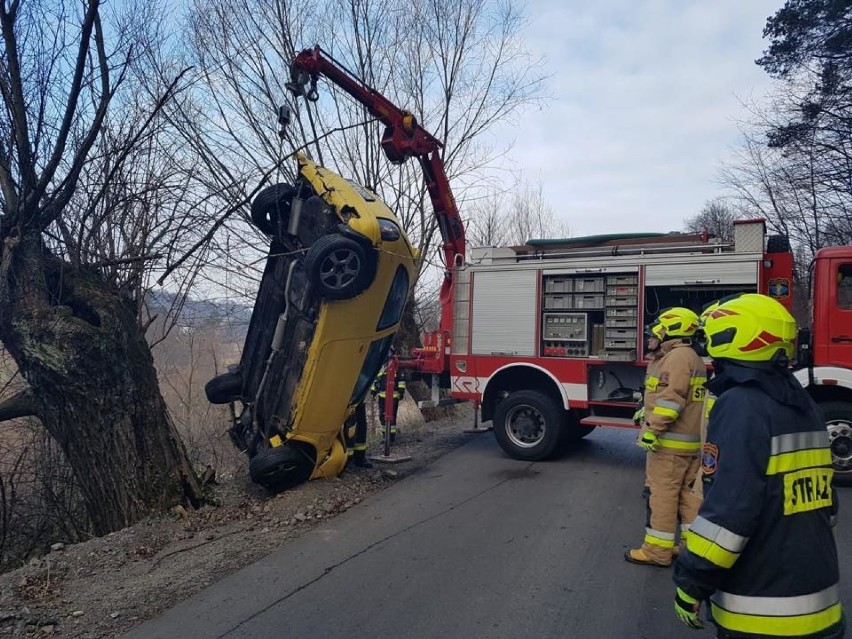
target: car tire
224 388
528 425
838 421
337 268
271 207
277 469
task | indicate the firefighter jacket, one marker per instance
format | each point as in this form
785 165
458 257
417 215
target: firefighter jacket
379 386
762 547
675 398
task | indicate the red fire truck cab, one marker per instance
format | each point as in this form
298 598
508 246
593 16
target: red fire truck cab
548 336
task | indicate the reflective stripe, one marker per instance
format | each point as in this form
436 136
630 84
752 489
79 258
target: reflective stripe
711 551
665 412
667 404
778 606
680 441
684 446
778 616
799 441
715 543
359 447
682 437
794 626
798 460
653 540
722 536
658 538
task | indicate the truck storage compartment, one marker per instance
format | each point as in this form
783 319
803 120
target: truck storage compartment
621 333
613 291
588 301
622 312
558 285
622 280
556 302
589 285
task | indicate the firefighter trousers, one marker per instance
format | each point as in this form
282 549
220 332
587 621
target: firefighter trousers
669 481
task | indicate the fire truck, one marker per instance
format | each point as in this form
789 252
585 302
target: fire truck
547 338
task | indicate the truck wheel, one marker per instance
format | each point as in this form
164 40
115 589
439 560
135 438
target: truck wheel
838 421
277 469
337 268
581 431
527 425
272 205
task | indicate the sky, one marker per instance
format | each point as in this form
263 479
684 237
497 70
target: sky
645 100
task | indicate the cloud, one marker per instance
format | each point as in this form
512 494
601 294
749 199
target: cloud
646 96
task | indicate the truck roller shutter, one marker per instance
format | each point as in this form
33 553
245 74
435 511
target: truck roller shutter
504 312
702 273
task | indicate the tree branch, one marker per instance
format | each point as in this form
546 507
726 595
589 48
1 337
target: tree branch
20 405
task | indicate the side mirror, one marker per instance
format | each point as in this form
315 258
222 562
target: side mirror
804 352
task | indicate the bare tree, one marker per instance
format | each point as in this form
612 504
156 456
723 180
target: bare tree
460 67
513 217
83 178
716 218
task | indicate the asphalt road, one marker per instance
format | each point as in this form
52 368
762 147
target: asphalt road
474 546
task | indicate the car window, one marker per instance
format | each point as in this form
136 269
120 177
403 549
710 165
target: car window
376 356
844 286
398 296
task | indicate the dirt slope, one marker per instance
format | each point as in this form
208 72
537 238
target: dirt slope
103 587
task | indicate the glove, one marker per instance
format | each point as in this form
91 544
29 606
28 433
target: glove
686 609
639 416
648 441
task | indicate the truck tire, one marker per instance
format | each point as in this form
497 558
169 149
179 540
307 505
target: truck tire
527 425
571 432
838 421
271 206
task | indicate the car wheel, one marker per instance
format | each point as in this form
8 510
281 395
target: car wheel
336 266
277 469
838 421
271 206
224 388
527 425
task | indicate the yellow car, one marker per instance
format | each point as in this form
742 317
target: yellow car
338 275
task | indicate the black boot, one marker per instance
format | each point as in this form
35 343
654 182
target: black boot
359 458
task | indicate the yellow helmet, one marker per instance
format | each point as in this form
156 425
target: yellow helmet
675 322
654 329
750 328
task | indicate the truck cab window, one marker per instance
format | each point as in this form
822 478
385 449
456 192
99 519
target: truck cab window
844 286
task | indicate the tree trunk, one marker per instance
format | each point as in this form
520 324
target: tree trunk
93 383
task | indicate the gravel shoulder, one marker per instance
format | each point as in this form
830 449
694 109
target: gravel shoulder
105 586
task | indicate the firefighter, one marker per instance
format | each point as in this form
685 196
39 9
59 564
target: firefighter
379 391
653 355
671 437
356 437
762 547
